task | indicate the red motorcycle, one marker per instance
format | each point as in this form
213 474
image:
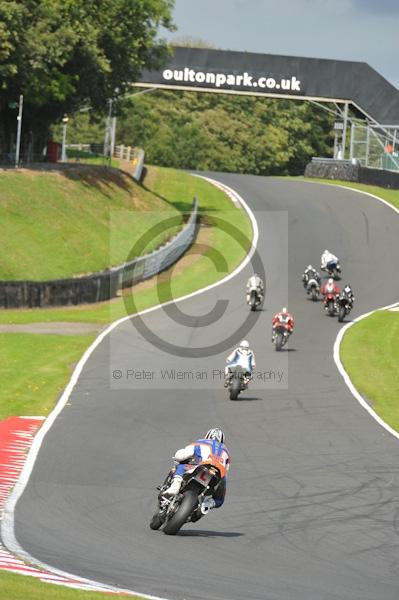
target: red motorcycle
330 304
281 333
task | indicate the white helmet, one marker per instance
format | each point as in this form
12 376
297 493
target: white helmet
309 267
244 346
215 434
284 310
330 281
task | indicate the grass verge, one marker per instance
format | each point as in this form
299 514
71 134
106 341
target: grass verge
17 587
391 196
370 355
34 370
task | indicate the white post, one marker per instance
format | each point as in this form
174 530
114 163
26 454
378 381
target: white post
113 135
352 140
107 136
367 144
345 128
64 132
19 127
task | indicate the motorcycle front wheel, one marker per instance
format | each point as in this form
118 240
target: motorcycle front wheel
331 309
156 522
187 506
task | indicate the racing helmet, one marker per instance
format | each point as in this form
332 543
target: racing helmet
326 251
215 434
244 346
330 281
309 267
284 310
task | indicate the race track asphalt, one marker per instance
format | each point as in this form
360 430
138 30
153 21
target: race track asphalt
312 508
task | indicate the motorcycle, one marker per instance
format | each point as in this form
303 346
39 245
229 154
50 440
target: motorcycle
313 288
344 307
330 304
254 299
199 481
238 381
281 333
334 270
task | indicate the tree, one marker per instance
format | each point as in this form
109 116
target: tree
242 134
63 54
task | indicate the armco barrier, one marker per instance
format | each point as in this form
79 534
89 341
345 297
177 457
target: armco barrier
348 171
98 286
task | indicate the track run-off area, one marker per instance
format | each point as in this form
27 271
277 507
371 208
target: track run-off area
312 508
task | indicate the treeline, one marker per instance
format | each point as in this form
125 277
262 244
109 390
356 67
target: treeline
64 56
205 131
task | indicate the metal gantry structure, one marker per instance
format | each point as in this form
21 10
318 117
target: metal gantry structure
370 144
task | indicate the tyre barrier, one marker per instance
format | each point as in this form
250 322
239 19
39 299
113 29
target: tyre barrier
346 170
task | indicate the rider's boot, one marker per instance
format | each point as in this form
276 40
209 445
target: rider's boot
174 487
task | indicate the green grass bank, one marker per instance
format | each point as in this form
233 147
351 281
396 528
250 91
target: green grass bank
370 355
69 222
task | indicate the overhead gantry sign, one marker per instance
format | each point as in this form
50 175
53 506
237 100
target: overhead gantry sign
270 75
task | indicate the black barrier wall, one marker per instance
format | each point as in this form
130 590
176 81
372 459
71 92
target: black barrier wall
346 171
202 69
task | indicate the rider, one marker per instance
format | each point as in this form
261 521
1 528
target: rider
255 283
348 292
243 356
283 318
212 443
330 288
309 273
328 260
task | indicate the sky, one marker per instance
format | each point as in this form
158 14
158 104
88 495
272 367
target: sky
355 30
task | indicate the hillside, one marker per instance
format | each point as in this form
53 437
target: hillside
63 223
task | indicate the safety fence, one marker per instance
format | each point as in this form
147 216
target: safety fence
100 286
375 146
133 156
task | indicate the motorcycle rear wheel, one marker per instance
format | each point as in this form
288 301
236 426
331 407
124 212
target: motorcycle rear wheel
187 506
342 313
279 342
253 301
235 388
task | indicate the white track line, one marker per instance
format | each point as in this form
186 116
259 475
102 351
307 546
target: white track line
343 330
8 522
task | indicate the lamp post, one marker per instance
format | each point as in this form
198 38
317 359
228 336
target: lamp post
64 132
110 123
19 127
107 136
